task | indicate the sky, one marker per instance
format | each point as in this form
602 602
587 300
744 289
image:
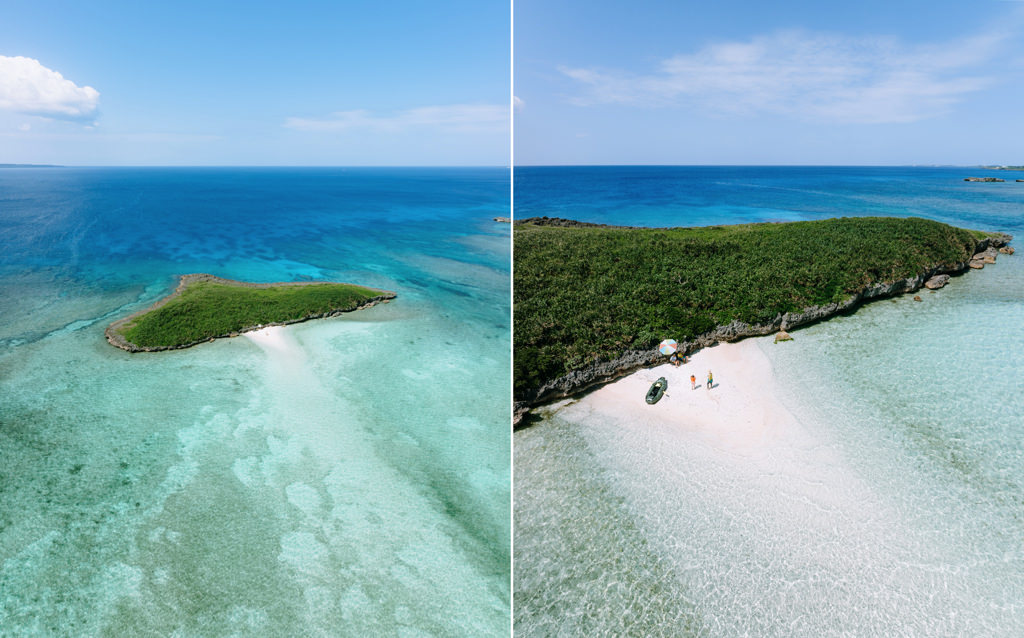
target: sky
301 83
903 82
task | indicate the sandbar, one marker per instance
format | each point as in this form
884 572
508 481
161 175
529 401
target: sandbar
740 416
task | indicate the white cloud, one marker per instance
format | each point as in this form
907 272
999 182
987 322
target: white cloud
26 86
456 117
817 76
517 103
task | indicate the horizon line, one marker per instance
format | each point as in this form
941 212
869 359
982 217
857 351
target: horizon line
763 165
25 165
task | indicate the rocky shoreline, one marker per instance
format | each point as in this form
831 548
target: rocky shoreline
602 372
116 339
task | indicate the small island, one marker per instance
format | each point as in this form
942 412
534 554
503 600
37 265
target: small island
591 301
205 307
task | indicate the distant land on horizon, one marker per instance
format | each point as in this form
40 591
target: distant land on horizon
31 166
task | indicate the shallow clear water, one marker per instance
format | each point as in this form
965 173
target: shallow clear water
897 513
354 483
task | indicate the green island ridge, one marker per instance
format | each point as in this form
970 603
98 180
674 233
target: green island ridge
591 302
205 307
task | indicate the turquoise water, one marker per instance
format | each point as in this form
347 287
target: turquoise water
898 513
354 482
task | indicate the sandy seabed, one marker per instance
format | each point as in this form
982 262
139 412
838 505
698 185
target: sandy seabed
726 512
739 427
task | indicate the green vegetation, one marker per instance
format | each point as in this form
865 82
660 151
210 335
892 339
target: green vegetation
588 294
205 309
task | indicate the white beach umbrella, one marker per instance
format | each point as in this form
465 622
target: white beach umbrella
668 346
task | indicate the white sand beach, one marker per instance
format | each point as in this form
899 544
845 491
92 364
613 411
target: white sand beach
274 338
738 426
749 504
738 415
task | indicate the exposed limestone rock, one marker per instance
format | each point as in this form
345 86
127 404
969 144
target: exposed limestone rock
996 239
918 298
936 282
1007 250
977 264
984 179
782 335
988 255
503 220
520 411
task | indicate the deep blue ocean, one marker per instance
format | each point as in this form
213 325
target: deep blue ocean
889 504
661 196
351 478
